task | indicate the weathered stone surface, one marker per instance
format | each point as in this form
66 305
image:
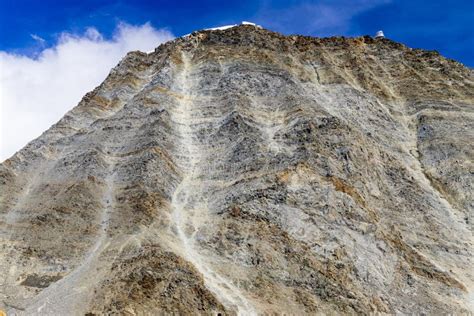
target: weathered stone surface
242 171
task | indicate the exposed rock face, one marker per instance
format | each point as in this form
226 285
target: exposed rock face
242 171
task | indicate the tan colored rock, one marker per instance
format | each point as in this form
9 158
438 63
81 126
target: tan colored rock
247 172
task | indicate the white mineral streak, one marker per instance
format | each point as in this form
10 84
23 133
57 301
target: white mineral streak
69 296
188 208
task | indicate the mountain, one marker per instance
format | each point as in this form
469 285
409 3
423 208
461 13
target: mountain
243 171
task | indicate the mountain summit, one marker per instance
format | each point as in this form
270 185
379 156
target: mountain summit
241 171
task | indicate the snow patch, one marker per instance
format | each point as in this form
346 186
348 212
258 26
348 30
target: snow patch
251 23
220 28
225 27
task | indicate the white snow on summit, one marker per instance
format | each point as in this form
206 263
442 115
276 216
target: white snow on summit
221 28
225 27
250 23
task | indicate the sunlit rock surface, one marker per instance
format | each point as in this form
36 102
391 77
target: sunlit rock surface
242 171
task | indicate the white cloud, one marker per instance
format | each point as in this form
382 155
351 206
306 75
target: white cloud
38 38
36 93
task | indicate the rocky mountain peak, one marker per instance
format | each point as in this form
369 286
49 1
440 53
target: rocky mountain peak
241 171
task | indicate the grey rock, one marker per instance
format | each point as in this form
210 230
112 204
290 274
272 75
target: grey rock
243 171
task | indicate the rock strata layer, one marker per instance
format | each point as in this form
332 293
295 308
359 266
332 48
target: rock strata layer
241 171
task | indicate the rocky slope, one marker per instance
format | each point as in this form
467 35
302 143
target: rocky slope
242 171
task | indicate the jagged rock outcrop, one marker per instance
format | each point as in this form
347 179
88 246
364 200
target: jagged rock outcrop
242 171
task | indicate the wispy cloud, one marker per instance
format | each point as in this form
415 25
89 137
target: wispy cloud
38 38
36 92
322 18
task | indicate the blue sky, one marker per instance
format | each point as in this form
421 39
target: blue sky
54 51
446 26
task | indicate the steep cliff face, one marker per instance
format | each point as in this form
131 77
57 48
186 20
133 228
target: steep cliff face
242 171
